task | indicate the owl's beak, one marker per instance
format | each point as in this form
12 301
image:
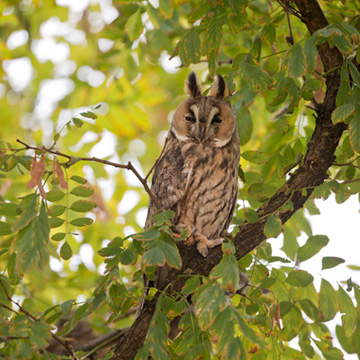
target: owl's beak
202 131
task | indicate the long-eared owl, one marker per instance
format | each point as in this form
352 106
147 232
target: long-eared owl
196 175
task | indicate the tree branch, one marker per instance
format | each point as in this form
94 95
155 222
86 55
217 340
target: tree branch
319 157
75 159
68 347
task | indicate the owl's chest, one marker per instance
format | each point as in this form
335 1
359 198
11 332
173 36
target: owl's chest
205 168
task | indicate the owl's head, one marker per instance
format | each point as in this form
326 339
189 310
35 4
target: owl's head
205 119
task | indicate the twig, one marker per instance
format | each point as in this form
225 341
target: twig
100 342
30 316
349 181
157 160
75 159
293 10
220 62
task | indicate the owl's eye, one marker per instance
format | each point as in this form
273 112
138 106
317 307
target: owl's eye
190 118
216 120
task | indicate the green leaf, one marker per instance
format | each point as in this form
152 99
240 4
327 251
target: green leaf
344 93
261 191
342 113
237 22
292 322
171 253
313 245
9 209
349 319
78 179
329 262
251 216
255 157
192 45
79 222
40 334
74 319
247 330
77 122
299 278
5 228
153 15
258 79
56 222
82 191
328 351
245 125
273 227
134 26
228 271
256 48
278 100
342 44
66 306
166 8
213 36
14 276
58 236
313 84
82 206
354 132
56 210
143 353
310 309
191 285
55 195
28 215
278 258
310 52
269 33
199 12
327 301
212 61
153 257
297 66
128 256
5 291
31 244
237 6
66 251
209 304
354 73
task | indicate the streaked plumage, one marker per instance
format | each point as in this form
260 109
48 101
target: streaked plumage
196 175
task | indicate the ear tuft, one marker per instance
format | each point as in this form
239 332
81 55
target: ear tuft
193 85
219 88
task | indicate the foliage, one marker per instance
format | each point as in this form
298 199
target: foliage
93 84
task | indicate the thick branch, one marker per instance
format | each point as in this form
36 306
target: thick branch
319 157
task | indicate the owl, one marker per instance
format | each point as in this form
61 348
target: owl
196 175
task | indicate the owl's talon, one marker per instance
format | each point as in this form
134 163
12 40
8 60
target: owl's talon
202 249
203 244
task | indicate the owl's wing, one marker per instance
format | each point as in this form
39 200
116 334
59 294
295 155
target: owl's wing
168 184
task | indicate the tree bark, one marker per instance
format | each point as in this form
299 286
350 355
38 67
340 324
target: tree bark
319 157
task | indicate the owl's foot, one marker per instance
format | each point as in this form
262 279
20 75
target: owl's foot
204 244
